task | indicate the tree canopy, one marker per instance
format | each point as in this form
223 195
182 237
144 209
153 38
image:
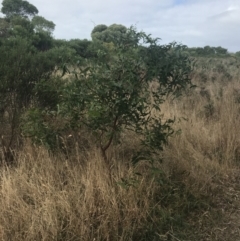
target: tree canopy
113 33
4 26
18 7
42 25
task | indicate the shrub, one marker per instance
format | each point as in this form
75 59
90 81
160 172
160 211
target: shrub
113 93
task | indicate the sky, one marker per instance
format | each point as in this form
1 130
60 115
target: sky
195 23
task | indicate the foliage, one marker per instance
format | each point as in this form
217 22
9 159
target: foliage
22 67
99 28
4 26
208 51
42 25
20 27
109 93
38 29
17 76
27 61
81 47
113 33
37 126
43 41
12 8
237 54
112 94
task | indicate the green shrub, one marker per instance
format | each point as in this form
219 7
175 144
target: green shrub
113 93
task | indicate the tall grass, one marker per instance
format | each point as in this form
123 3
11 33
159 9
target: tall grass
49 198
208 119
74 197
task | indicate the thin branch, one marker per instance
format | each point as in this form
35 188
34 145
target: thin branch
112 135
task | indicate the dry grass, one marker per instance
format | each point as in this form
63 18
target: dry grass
46 197
208 119
49 198
210 134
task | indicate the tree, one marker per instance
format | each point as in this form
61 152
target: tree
220 50
99 28
42 25
21 27
27 60
43 29
207 50
82 47
113 33
113 93
38 30
4 28
18 7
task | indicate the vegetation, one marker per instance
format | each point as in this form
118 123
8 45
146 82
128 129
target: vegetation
208 51
105 139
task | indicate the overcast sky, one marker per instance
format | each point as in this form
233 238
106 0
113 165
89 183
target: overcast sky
196 23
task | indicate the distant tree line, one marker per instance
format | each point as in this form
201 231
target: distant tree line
209 51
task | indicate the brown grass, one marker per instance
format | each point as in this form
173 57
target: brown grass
46 197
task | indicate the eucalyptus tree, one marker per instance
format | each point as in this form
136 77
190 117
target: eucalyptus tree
109 34
112 94
22 8
4 28
43 25
28 58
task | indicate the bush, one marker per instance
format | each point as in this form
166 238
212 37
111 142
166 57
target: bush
113 93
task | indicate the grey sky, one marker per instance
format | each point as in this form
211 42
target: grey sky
191 22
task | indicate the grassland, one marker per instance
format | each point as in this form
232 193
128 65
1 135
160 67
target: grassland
193 194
